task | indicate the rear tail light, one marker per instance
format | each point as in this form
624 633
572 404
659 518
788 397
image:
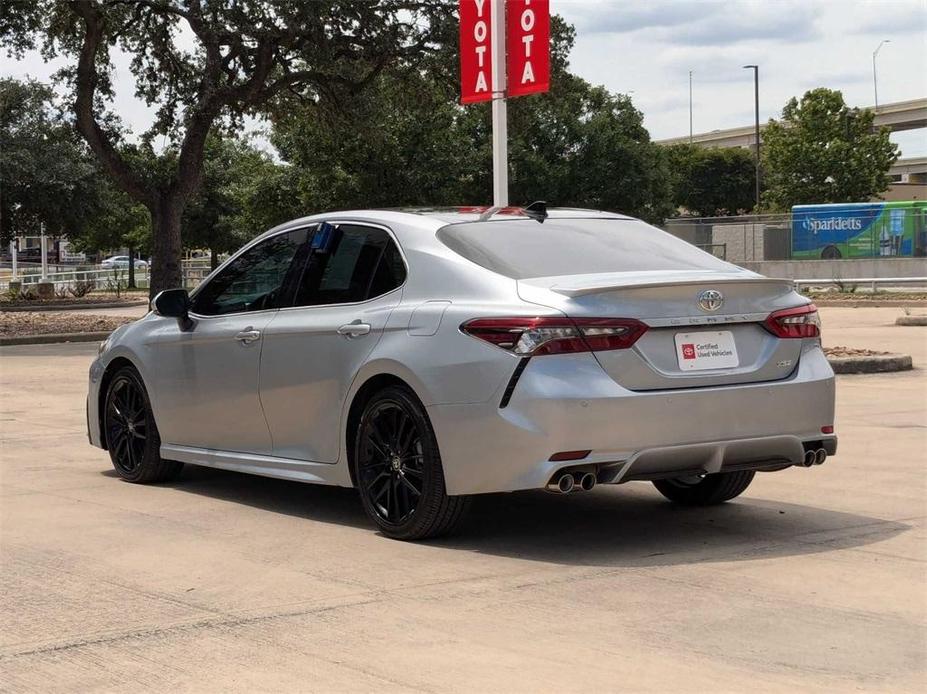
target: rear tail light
794 322
549 335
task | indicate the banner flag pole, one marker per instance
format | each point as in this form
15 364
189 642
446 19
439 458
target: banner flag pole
500 151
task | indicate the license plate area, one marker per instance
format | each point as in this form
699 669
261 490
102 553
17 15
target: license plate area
706 349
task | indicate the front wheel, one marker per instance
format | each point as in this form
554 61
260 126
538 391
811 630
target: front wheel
705 490
397 469
131 434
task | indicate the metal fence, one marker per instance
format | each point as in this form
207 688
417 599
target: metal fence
194 271
737 239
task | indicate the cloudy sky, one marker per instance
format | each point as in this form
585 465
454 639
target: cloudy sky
647 48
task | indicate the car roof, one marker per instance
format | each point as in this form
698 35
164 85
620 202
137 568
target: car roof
486 213
433 218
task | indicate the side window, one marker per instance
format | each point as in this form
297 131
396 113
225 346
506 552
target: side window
254 280
353 263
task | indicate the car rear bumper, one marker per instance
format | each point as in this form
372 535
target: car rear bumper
568 403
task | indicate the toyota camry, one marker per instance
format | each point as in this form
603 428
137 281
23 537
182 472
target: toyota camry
424 356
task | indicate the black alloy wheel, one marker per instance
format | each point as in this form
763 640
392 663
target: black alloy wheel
398 469
131 434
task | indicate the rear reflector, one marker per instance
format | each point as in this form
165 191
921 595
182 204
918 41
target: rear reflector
794 322
569 455
539 335
828 429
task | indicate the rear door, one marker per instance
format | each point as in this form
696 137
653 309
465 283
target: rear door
350 284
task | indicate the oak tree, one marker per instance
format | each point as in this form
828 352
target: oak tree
204 64
822 151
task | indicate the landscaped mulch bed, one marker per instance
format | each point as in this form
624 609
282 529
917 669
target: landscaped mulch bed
866 297
97 300
854 360
23 323
852 352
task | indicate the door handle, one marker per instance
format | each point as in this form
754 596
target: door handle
248 335
355 329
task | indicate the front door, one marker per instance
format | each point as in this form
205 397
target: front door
206 386
312 351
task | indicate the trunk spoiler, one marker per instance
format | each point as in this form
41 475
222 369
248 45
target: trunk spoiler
581 285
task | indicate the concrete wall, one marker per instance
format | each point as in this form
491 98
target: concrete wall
902 192
839 269
741 241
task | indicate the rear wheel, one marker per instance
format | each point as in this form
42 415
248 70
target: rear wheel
131 434
705 490
397 468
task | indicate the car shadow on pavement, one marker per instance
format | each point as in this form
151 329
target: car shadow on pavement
632 525
628 525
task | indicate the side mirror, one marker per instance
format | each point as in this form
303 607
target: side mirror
172 303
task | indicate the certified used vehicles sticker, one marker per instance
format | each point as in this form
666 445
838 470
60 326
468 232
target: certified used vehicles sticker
713 349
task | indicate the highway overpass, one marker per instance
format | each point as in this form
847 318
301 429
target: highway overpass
901 115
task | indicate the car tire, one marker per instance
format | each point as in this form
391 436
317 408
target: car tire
131 433
708 490
398 472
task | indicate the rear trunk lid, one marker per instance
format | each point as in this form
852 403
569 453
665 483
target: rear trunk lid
686 345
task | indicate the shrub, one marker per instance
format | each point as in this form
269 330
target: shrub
82 288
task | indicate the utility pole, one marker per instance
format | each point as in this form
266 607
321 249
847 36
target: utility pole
500 135
756 107
44 250
690 107
875 79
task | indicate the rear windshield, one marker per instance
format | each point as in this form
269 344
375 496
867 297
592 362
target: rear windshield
525 248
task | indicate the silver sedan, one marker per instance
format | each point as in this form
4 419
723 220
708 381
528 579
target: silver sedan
425 356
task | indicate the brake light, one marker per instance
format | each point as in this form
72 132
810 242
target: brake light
794 322
550 335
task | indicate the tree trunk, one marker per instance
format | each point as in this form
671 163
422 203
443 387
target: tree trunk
167 250
213 259
131 284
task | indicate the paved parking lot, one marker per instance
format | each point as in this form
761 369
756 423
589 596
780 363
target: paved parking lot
813 580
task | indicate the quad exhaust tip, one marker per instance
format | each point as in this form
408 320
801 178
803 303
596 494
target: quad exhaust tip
573 482
565 483
814 457
587 482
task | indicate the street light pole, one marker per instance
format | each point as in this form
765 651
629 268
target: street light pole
756 107
690 107
875 79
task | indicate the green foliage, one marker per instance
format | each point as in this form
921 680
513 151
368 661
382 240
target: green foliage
203 66
46 173
243 194
117 222
712 182
821 151
405 140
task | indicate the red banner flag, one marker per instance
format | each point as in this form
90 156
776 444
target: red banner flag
475 51
528 48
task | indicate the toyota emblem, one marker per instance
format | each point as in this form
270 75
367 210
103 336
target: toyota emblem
710 300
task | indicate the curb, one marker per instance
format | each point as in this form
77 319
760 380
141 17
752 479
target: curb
911 320
871 365
54 338
886 303
71 307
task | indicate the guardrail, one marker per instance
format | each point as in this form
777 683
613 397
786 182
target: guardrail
871 281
